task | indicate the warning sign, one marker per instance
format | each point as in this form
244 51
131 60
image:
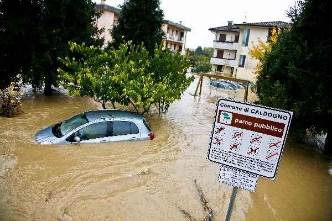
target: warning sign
248 136
238 178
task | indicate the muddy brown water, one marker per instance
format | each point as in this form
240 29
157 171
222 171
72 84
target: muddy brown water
146 180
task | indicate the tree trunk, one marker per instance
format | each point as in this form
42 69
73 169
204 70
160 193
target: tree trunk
48 86
328 143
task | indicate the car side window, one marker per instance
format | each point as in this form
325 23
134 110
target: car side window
124 127
94 131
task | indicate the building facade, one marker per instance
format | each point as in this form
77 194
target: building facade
175 36
232 43
175 33
109 17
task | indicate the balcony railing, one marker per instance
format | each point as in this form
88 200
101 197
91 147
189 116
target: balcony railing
225 45
174 38
222 61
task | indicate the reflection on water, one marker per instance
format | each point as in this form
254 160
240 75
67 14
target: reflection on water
145 180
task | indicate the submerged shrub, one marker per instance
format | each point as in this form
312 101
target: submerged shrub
10 102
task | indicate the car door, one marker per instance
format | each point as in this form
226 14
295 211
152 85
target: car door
94 133
124 131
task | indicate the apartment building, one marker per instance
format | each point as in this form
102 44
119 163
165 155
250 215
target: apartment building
232 43
176 36
109 17
175 33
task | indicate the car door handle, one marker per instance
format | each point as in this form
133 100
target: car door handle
103 141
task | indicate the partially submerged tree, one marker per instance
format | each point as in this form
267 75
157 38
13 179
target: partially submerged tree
169 75
128 75
296 74
19 20
140 22
35 33
62 21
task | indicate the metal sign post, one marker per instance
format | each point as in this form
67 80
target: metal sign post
231 204
247 141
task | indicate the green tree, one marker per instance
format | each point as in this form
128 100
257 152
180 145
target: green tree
203 64
192 58
258 51
140 22
199 51
127 75
62 21
200 59
208 51
35 33
169 70
19 20
296 74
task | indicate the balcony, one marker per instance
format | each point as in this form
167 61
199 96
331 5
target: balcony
222 61
225 45
174 38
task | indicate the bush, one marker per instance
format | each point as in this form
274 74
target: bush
10 102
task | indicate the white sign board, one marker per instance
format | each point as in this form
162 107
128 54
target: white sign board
238 178
248 136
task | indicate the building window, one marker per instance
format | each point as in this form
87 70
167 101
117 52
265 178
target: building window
242 61
269 34
220 68
245 39
236 38
220 54
222 37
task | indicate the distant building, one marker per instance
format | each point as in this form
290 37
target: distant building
231 46
109 17
176 36
175 33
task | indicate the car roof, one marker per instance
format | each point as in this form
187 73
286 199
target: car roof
94 115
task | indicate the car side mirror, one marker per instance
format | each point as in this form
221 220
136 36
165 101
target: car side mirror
77 139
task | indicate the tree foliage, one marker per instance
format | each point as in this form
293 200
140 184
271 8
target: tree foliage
199 50
10 100
296 73
258 51
19 20
35 33
200 59
140 22
127 75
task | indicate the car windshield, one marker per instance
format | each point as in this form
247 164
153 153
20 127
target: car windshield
72 123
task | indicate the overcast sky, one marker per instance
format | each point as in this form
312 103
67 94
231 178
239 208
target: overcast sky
199 16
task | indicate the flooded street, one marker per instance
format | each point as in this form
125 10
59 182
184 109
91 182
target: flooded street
146 180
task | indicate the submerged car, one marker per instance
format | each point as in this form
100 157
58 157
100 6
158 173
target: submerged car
97 126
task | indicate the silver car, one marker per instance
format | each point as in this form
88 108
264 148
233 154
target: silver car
97 126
